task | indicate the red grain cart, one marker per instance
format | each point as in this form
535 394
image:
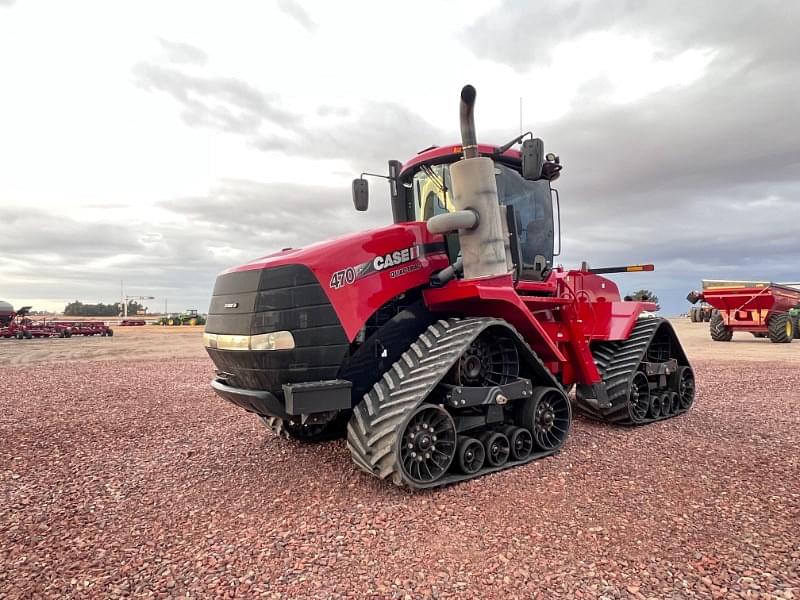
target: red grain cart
762 308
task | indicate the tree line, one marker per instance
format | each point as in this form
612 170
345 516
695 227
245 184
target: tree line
79 309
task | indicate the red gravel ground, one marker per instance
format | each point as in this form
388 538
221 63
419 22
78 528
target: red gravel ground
135 479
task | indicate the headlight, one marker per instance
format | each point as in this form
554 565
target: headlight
278 340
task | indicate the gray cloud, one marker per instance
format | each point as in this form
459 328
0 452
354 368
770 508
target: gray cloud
180 53
523 34
702 179
367 138
298 13
223 103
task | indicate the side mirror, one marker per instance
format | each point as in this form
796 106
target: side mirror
360 194
532 158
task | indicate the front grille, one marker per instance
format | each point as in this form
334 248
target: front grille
286 298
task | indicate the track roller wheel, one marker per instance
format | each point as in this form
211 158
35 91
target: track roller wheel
656 401
497 448
547 414
639 399
667 403
520 441
675 403
781 328
428 444
470 455
719 331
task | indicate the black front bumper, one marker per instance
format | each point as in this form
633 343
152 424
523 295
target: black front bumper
299 398
255 401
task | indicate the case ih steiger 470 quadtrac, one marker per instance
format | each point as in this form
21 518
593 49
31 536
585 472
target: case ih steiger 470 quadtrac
444 344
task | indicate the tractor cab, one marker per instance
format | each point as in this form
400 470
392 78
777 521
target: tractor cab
420 190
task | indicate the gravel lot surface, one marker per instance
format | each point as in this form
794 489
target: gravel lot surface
134 479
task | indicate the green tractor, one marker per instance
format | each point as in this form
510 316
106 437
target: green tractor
190 317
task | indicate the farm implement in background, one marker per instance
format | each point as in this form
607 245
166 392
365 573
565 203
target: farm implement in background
762 308
19 325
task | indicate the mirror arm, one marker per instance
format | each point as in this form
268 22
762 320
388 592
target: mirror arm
374 175
502 149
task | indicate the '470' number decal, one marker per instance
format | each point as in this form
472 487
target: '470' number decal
343 278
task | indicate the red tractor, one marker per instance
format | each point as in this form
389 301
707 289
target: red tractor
443 345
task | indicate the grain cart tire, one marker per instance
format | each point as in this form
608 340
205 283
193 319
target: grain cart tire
27 335
693 314
109 332
19 335
781 330
719 331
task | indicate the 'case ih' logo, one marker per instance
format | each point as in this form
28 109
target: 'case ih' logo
379 263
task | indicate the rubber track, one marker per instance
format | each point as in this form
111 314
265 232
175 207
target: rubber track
617 362
378 420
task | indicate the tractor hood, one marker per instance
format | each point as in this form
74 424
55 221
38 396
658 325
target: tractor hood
354 275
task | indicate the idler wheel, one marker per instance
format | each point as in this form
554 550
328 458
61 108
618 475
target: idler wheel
547 415
428 444
683 383
639 398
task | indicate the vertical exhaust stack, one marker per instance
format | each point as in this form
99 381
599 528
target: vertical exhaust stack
477 218
483 247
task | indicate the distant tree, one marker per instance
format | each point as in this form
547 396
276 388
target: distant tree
79 309
644 296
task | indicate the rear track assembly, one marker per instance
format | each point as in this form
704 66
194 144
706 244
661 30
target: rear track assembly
640 390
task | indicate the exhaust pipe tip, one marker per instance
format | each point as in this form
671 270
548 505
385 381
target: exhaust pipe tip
468 94
467 121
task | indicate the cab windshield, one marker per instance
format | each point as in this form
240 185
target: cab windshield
531 200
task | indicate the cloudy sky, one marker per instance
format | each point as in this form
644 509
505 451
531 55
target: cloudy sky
160 143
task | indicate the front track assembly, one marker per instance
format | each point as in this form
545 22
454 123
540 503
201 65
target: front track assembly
647 377
460 403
